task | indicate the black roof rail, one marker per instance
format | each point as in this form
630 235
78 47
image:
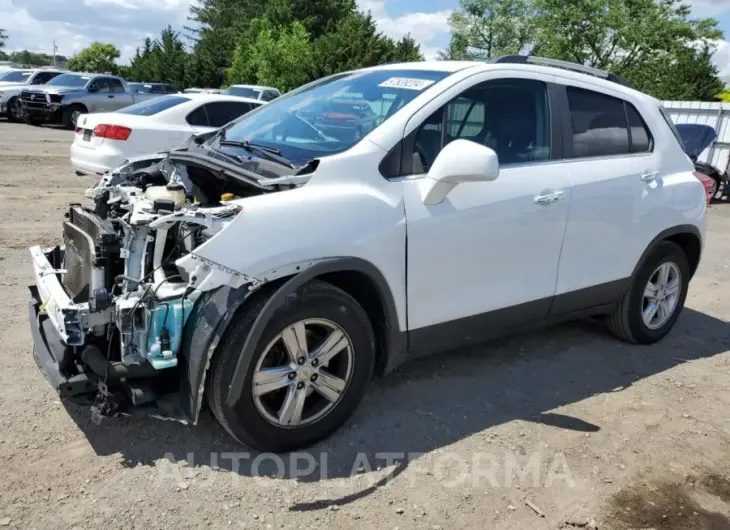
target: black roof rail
565 65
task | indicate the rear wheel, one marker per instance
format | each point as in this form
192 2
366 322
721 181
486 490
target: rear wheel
304 378
14 110
651 307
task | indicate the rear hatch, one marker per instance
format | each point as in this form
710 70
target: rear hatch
696 138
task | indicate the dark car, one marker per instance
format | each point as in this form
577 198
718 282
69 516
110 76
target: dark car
696 139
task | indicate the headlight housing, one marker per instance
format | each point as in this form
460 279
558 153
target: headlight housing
56 98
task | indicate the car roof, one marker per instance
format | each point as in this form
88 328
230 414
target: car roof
455 66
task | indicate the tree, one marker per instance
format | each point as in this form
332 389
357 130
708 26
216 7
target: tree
407 50
3 38
482 29
652 43
686 75
99 57
280 58
216 28
617 34
168 58
354 42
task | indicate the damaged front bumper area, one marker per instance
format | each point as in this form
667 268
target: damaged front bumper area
73 359
113 311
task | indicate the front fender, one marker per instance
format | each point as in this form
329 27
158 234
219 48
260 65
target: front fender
215 310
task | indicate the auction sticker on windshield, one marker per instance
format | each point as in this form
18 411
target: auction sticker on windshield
407 83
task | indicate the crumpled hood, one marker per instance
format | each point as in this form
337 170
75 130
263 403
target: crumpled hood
696 137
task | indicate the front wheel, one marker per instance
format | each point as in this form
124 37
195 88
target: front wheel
70 115
651 307
14 110
304 378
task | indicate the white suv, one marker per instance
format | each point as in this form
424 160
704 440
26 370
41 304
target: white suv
274 266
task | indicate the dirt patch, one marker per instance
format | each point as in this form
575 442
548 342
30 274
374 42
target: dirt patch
693 504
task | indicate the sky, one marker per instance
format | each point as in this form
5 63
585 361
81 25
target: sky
74 24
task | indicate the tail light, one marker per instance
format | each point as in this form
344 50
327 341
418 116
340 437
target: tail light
708 183
112 132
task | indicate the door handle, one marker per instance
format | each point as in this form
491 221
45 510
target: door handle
549 197
650 177
110 96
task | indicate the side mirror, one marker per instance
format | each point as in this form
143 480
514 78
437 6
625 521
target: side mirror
459 162
93 88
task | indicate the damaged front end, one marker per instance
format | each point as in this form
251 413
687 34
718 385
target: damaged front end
110 309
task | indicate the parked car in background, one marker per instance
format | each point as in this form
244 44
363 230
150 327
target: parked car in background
270 270
11 84
157 89
264 93
202 91
104 140
69 95
696 138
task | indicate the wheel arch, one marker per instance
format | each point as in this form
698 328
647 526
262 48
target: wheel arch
689 239
215 312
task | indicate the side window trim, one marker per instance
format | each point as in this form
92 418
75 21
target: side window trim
627 106
205 113
567 133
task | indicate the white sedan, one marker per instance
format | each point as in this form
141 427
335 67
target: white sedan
104 140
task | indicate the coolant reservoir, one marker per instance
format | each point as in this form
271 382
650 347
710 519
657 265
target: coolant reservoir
174 192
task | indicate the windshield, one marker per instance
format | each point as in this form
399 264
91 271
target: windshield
244 92
153 106
16 76
70 80
332 115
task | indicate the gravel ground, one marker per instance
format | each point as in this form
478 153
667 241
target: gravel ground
562 428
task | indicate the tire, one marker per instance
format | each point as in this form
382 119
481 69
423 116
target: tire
718 186
627 320
12 111
69 116
247 421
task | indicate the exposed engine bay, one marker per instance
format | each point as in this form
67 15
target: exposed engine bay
127 299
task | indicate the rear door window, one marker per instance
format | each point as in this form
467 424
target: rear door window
115 85
101 84
222 112
599 124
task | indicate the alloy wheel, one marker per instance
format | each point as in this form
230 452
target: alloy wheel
661 295
302 373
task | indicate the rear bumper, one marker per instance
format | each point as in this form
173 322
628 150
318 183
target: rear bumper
93 161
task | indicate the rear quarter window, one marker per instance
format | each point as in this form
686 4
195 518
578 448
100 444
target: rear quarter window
670 123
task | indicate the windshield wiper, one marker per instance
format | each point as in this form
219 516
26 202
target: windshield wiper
271 152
